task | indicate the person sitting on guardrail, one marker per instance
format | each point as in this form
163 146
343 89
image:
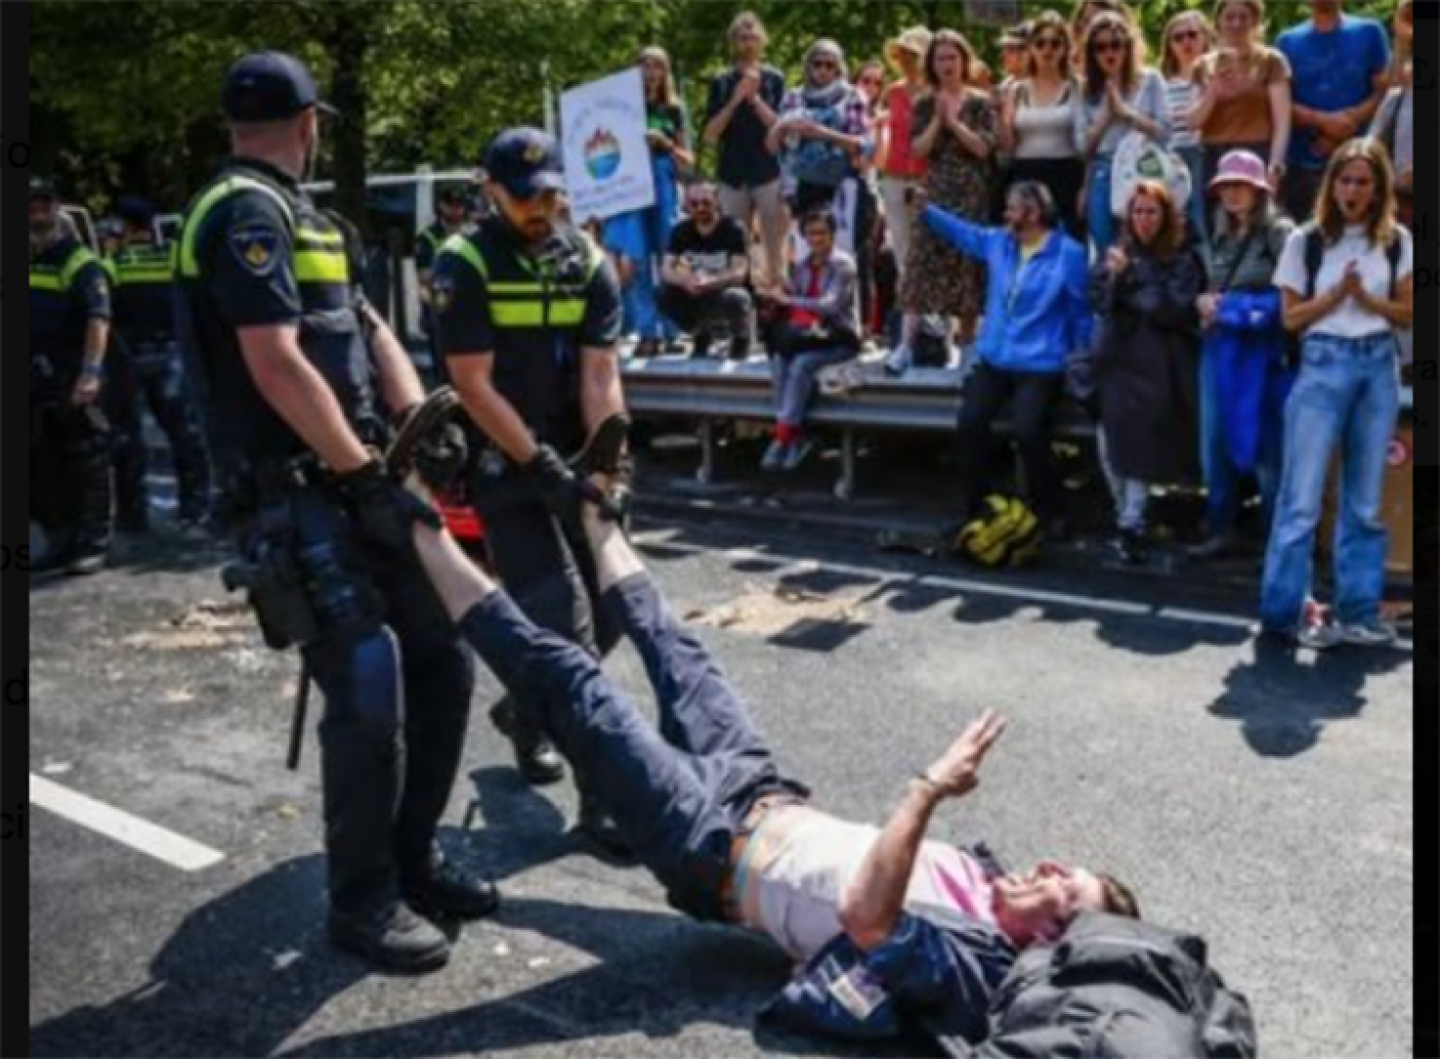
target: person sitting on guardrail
1037 315
706 275
819 326
922 927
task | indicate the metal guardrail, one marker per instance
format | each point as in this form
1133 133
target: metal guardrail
924 400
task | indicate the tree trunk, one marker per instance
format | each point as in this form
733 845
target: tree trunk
349 48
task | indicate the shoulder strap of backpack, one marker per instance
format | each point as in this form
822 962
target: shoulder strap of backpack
1393 253
1314 256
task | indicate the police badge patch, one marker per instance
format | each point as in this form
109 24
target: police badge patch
442 293
256 247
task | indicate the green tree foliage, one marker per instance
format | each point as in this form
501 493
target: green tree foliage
125 95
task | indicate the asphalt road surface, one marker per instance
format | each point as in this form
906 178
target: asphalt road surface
1262 800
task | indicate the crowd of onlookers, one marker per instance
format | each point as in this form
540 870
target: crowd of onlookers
1199 238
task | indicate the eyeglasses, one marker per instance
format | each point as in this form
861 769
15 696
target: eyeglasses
1049 44
1180 36
1109 47
823 64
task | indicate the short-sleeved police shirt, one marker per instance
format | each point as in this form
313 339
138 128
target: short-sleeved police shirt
462 307
246 258
536 367
58 317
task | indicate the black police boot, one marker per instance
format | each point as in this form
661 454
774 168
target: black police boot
392 937
439 890
93 495
535 758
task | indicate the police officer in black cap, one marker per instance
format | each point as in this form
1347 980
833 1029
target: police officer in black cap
528 316
293 408
70 481
148 370
452 212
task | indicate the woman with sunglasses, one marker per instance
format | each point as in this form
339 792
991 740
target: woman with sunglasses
1245 100
822 131
1037 120
955 130
1118 96
1086 12
1187 38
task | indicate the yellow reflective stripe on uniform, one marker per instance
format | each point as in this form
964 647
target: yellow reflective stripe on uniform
516 288
48 281
567 312
189 265
78 259
465 249
148 274
318 266
309 236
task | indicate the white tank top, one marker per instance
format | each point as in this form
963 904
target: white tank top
1045 132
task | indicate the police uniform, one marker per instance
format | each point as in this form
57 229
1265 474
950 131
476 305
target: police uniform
148 369
70 483
254 251
532 314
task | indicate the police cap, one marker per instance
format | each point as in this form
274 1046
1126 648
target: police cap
43 189
135 211
525 162
269 86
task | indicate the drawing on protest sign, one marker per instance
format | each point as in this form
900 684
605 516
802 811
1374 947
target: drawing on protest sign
607 161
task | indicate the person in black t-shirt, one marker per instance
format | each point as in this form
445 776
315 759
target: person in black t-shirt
705 275
743 105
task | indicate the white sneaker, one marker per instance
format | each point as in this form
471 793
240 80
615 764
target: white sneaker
1373 633
774 458
1319 636
899 361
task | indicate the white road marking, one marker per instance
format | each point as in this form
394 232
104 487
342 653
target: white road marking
175 850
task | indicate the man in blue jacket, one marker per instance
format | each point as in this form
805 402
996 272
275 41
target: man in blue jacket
1037 315
892 931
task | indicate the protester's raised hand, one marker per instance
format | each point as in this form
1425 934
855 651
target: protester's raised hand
957 771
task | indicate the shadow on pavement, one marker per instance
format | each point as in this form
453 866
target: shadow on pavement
1283 705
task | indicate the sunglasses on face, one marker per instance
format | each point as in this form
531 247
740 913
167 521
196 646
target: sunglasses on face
1109 47
1050 44
822 64
1185 35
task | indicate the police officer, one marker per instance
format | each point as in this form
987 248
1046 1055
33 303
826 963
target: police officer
451 218
70 484
528 315
148 370
267 311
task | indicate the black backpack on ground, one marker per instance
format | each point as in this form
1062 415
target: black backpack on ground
1116 988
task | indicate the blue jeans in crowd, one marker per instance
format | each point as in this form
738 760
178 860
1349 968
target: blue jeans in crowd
1347 395
793 375
679 794
1194 159
1101 221
643 236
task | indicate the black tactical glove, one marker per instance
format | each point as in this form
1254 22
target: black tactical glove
385 510
560 489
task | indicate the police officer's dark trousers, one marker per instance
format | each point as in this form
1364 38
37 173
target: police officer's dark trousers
397 685
152 373
70 481
546 567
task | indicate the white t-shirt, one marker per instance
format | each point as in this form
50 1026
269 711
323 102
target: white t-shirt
800 861
1349 320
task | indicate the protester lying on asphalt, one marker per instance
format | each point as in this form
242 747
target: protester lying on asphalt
707 810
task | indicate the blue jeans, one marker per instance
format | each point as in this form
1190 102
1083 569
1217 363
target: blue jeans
1222 478
678 794
793 375
1194 158
644 236
1348 394
1097 209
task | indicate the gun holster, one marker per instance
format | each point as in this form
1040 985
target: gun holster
273 580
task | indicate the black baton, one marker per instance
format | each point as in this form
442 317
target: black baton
297 717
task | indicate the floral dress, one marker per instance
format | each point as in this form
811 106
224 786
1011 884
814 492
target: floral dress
937 278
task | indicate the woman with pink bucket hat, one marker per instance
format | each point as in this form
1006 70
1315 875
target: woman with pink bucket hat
1244 378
